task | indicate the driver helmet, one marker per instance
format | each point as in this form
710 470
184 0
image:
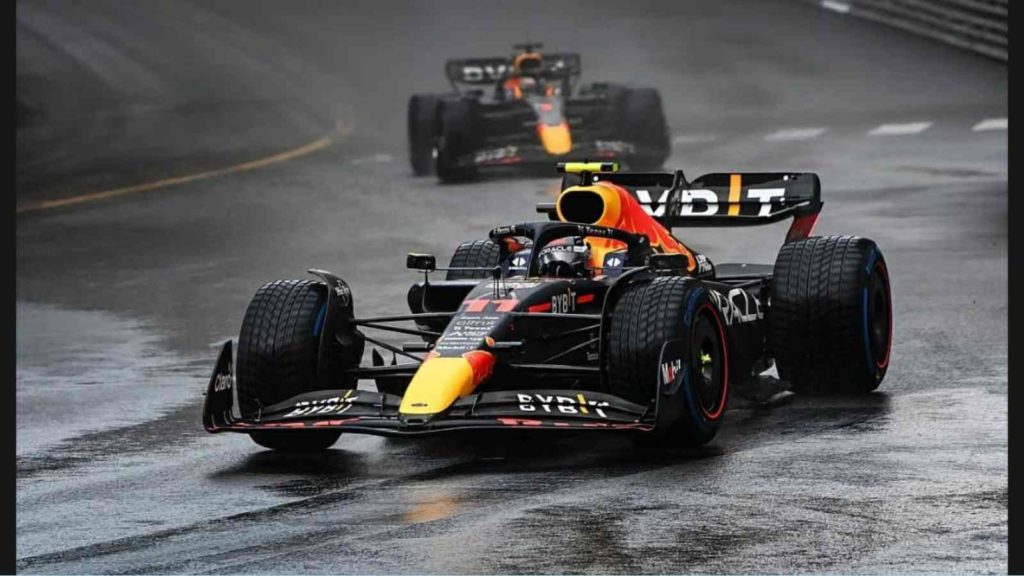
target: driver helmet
528 63
564 260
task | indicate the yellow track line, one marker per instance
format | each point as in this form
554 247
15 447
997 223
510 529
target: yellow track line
243 167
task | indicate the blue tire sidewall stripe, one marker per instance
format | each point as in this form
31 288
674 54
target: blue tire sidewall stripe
872 261
689 390
319 324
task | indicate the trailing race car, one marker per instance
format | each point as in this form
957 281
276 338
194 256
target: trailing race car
597 319
531 113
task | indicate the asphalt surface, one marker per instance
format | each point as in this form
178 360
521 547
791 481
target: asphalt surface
122 300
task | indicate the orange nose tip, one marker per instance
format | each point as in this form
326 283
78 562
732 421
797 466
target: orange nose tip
555 139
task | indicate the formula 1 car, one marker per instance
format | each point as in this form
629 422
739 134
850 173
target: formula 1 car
596 319
532 113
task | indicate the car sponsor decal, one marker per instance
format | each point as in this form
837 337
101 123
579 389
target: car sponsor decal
599 425
465 333
564 303
704 202
343 293
669 370
703 264
735 183
334 405
587 230
614 261
738 306
497 155
482 72
513 285
554 404
565 248
223 382
614 147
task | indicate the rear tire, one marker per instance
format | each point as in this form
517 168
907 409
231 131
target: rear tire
646 317
423 125
278 350
645 124
830 323
473 254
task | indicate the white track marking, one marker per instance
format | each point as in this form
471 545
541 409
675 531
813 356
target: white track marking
796 134
841 7
992 124
900 129
694 138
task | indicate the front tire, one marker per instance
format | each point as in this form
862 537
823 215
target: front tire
296 440
648 315
831 315
278 349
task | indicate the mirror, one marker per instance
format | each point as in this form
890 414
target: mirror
668 261
425 262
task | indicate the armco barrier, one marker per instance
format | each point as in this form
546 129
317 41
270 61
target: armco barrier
978 25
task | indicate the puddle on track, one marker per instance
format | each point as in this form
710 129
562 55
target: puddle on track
85 371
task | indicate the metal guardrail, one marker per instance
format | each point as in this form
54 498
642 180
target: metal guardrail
978 25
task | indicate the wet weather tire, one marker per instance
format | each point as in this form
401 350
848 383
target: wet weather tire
296 440
645 124
423 124
648 315
278 349
455 141
473 254
830 324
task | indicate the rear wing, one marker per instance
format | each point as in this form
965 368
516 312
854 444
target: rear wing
491 70
717 199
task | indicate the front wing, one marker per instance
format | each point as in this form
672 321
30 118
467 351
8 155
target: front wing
517 153
363 411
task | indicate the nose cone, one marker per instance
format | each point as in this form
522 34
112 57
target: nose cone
556 138
441 381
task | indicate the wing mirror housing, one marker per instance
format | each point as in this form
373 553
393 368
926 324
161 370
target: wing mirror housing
668 261
424 262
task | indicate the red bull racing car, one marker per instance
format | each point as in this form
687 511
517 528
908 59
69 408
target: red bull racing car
598 318
526 110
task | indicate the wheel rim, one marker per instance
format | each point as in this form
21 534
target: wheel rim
709 361
879 315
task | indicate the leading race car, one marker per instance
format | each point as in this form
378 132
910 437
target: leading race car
597 319
526 110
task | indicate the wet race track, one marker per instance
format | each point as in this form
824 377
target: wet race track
122 300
